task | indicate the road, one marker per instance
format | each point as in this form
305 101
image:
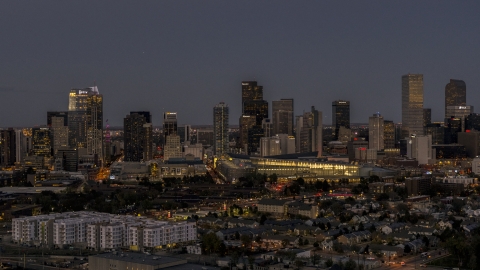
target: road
416 262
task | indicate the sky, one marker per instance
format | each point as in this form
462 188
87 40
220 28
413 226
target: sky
187 56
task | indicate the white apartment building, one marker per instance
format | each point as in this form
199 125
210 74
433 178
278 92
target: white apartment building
100 231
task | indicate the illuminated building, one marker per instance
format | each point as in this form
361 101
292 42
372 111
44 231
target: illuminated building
253 106
95 124
41 145
296 167
205 136
58 123
298 132
460 112
388 134
172 148
412 104
282 116
220 128
267 127
287 144
169 124
7 147
455 94
311 139
416 186
251 91
270 146
23 140
340 116
138 136
376 132
453 126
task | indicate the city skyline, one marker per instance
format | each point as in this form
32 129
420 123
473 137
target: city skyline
324 52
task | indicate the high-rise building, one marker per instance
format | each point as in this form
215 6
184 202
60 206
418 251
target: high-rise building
298 132
420 148
23 141
282 116
137 132
388 134
311 139
472 122
460 112
436 130
85 120
8 154
453 126
412 104
172 148
455 94
251 91
340 116
41 144
376 132
427 116
254 108
220 128
95 124
267 127
58 123
270 146
169 125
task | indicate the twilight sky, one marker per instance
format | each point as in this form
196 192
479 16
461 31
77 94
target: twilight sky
187 56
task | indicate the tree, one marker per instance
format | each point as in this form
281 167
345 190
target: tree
246 241
350 265
301 181
383 197
306 242
407 249
329 262
210 243
285 242
263 218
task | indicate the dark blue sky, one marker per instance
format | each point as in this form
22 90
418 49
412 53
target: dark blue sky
187 56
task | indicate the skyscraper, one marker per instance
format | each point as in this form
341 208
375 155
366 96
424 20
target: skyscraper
427 116
7 147
412 104
282 116
41 144
376 132
220 128
311 136
137 134
58 124
85 120
254 110
388 134
251 91
340 116
169 125
455 94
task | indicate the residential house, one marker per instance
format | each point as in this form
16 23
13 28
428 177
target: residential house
421 230
234 222
394 227
387 251
273 206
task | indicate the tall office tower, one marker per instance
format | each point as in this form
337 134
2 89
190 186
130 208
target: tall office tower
436 130
412 105
85 119
95 123
23 140
282 116
298 131
287 144
8 143
41 144
184 133
455 94
220 128
267 127
472 122
311 136
460 112
58 124
340 116
137 132
255 107
251 91
427 116
388 134
376 132
169 125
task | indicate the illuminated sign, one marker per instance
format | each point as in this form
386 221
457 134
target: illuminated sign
244 83
81 92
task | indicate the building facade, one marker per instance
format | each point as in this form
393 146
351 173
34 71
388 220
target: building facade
455 94
376 129
340 116
282 116
412 104
137 132
220 128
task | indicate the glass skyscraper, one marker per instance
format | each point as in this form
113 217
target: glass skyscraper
220 128
340 116
412 104
455 94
